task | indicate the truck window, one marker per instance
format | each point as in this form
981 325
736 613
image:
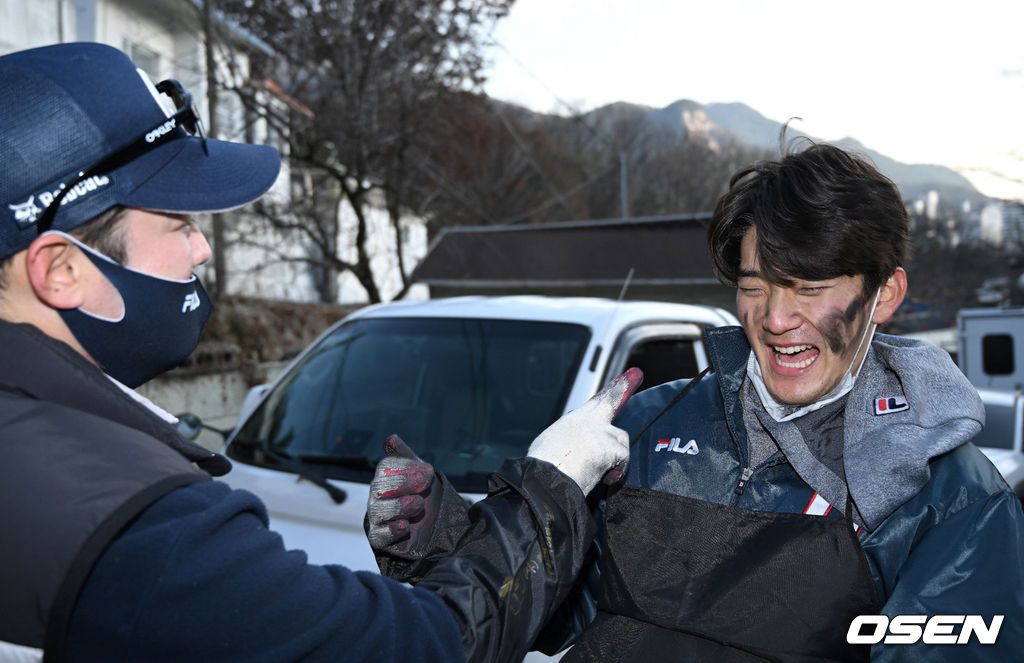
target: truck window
663 360
997 354
664 351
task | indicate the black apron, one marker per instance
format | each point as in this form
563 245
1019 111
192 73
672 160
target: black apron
689 580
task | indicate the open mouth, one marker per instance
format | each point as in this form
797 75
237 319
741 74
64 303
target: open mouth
794 356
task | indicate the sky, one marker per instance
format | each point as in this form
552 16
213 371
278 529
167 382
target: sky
919 81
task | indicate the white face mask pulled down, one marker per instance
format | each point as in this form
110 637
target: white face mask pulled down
781 411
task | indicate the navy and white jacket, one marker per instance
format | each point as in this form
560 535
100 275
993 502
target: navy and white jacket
942 532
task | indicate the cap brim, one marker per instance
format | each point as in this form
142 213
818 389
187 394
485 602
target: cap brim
181 177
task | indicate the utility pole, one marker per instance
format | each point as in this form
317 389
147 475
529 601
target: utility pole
220 270
623 204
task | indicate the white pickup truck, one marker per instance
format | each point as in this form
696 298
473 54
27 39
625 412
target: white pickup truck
988 340
466 382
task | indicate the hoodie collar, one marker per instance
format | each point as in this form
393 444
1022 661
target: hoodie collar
887 450
886 453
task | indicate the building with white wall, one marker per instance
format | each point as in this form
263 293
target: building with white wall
1002 225
165 38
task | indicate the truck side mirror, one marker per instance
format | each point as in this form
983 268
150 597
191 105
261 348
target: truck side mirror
189 425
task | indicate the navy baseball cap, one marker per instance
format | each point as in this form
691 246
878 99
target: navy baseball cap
82 130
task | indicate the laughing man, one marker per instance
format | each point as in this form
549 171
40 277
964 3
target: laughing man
828 470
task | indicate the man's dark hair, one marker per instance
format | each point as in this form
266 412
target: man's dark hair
104 234
101 233
819 212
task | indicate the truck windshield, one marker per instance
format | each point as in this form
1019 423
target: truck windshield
463 393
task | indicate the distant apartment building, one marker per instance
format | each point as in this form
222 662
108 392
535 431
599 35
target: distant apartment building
165 38
1002 225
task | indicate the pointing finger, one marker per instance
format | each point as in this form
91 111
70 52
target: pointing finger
614 396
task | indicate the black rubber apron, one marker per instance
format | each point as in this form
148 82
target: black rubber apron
688 580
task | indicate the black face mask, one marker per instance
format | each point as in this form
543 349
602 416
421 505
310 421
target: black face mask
159 327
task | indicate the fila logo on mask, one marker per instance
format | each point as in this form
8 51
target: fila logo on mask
191 302
673 445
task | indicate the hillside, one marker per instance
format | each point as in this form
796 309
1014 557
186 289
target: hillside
721 123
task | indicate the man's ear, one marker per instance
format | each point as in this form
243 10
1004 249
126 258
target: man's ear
892 293
53 264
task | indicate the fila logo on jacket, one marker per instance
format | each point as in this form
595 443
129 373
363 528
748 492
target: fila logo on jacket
675 444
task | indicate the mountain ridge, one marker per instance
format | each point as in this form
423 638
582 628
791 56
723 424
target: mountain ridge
721 122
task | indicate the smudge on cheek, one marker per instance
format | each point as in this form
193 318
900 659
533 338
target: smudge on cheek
850 314
835 326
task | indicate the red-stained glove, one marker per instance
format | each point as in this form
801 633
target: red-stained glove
583 444
405 496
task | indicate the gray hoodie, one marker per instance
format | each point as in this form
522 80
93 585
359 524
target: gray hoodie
885 453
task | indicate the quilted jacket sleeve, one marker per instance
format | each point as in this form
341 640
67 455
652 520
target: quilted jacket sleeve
968 564
517 562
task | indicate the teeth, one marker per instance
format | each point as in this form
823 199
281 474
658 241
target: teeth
791 349
797 364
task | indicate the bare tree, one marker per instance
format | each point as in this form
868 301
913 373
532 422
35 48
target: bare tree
368 82
496 163
501 164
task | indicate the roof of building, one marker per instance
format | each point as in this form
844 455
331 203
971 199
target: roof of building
667 250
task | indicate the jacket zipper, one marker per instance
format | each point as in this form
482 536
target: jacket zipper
776 458
744 478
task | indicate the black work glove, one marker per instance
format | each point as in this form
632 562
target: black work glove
414 516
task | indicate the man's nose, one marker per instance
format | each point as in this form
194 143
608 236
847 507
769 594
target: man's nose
783 312
201 251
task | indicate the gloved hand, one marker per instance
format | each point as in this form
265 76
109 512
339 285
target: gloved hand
405 497
583 444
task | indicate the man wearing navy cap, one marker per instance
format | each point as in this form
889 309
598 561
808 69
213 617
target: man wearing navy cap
118 546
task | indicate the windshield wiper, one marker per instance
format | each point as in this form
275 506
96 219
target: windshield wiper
348 462
299 467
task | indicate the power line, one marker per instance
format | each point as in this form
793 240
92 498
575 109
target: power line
558 196
578 116
554 201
